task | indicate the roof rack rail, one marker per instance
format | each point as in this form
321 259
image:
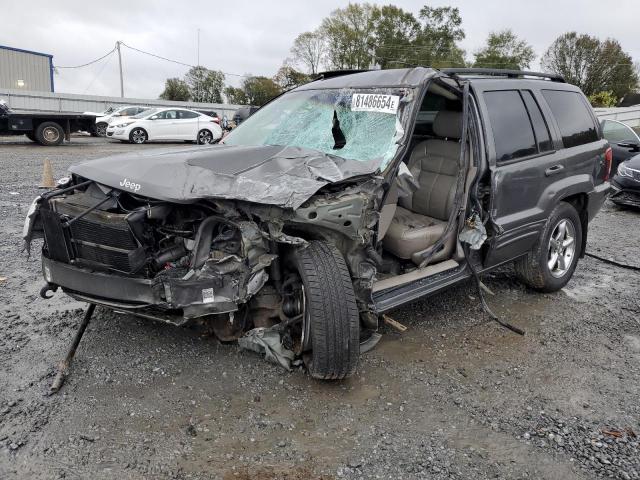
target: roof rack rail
335 73
496 72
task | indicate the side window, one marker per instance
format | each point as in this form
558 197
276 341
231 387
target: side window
431 105
540 128
130 112
573 116
512 132
169 115
616 132
186 114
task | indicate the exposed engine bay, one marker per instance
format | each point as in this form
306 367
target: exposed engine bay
178 262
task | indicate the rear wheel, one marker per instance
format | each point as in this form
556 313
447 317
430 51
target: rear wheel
551 263
205 137
330 330
49 134
138 135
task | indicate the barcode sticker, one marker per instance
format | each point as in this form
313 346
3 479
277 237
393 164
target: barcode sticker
207 295
375 102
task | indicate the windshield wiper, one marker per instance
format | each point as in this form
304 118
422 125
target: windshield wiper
338 137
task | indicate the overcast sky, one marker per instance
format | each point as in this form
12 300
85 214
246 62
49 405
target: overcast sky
241 36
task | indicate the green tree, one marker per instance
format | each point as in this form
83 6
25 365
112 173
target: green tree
259 90
175 89
288 77
505 50
205 85
603 99
309 49
349 35
592 64
235 95
394 35
437 42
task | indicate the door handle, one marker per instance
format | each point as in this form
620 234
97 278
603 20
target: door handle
553 170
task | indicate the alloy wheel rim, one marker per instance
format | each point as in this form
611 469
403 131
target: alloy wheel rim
102 130
51 134
562 248
205 137
138 136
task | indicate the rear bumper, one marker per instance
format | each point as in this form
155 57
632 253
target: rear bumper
597 196
187 298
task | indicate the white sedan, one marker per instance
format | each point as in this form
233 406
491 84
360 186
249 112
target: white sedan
166 124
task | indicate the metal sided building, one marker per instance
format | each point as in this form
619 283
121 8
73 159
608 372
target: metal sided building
25 70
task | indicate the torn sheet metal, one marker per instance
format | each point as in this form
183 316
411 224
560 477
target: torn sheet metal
474 232
406 182
268 174
267 341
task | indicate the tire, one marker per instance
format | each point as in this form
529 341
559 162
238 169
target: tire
535 270
101 129
49 134
205 137
330 310
138 135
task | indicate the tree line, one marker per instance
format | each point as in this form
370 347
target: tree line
364 36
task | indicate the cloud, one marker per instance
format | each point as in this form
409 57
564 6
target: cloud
242 36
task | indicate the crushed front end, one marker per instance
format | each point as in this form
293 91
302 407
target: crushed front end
181 261
176 262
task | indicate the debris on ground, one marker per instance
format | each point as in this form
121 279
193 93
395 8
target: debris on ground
268 341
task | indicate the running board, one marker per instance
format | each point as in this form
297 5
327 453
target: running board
414 275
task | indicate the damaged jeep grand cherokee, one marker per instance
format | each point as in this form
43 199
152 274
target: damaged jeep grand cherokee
337 201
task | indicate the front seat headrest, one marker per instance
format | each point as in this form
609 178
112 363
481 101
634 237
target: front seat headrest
448 124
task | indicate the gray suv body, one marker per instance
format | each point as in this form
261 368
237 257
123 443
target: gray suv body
339 200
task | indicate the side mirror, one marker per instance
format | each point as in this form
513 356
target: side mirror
153 117
632 146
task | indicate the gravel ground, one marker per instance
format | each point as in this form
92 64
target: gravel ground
455 396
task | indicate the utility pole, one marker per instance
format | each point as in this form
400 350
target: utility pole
198 63
120 64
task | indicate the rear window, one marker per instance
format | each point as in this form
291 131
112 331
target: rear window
512 132
573 116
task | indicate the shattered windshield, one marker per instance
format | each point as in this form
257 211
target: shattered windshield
355 124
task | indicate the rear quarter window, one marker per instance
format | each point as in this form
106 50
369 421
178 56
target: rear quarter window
573 116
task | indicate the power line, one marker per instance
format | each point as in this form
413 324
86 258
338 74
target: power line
176 61
91 62
99 71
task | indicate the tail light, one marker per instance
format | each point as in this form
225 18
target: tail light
608 160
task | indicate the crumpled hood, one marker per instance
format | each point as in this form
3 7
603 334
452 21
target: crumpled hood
270 174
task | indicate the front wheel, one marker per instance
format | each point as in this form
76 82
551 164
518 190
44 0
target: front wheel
101 129
331 323
138 135
551 263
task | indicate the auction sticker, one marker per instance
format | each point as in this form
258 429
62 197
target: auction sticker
207 295
375 102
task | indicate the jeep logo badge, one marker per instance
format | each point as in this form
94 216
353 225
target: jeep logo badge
133 186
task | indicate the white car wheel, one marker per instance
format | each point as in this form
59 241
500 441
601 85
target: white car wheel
205 137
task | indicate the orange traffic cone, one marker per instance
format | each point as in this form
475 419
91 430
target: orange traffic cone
47 175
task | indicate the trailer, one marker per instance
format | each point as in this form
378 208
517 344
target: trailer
45 128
